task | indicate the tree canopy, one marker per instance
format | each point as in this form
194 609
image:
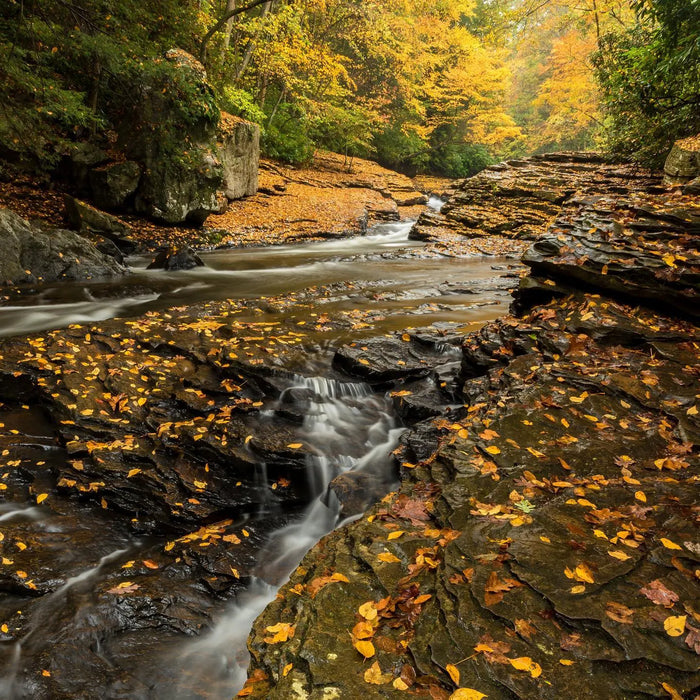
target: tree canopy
421 85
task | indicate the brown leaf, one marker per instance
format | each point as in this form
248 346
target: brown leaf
620 613
658 593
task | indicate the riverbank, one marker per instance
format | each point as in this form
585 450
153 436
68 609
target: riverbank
330 197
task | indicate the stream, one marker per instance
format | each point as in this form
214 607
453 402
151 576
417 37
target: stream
351 428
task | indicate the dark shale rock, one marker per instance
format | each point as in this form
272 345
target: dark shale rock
640 249
176 259
518 200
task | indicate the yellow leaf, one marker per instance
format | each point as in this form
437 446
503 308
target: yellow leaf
668 544
640 496
399 684
150 564
340 577
294 445
601 534
454 673
4 629
280 632
525 663
492 449
406 337
287 669
669 259
200 484
133 472
466 694
375 676
364 647
368 610
583 573
387 557
546 540
675 695
586 503
692 411
566 662
42 497
169 546
576 590
618 555
675 625
395 535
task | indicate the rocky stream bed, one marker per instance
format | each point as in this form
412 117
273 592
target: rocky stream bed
535 517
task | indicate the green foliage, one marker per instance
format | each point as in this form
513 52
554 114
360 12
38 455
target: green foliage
64 65
401 149
241 103
287 137
650 80
460 160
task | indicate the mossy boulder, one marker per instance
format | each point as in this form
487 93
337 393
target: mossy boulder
170 130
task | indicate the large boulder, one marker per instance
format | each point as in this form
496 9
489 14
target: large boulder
31 254
239 153
170 129
683 162
111 185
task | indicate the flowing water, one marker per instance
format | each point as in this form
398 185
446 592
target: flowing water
352 428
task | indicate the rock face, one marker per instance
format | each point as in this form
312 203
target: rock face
239 153
683 162
504 207
179 154
544 540
31 254
112 185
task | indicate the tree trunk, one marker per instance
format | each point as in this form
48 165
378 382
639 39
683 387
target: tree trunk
230 7
251 46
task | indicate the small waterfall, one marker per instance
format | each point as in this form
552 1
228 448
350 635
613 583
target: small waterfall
350 429
435 203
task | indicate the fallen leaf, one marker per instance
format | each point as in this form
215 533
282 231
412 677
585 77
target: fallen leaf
280 632
668 544
467 694
375 676
368 610
675 625
658 593
365 648
525 663
454 673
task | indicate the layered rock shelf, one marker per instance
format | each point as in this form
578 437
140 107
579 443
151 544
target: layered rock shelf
507 206
543 542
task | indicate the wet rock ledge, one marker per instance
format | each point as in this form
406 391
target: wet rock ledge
544 541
